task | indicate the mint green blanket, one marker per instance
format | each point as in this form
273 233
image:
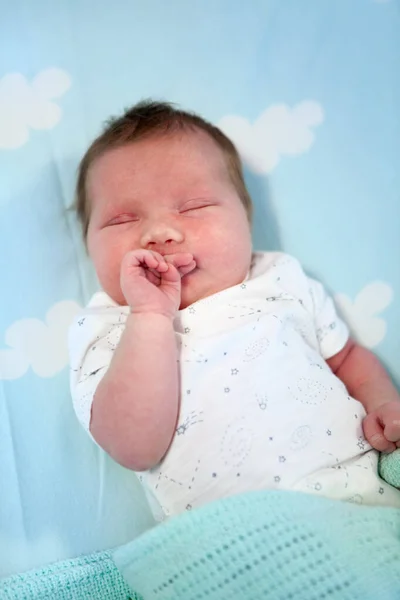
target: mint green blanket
269 545
259 546
92 577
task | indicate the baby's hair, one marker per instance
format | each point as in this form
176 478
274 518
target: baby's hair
145 119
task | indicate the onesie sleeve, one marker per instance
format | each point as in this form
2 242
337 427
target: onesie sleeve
332 333
93 337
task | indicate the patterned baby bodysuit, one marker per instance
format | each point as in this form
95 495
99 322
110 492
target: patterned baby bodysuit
259 406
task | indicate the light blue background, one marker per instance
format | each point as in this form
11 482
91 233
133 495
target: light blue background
336 207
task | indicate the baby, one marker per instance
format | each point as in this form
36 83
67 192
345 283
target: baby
208 368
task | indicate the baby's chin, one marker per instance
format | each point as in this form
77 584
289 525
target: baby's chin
191 289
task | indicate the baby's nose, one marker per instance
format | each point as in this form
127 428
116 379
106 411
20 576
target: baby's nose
161 233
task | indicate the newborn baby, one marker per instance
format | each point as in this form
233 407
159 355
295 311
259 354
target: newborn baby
207 367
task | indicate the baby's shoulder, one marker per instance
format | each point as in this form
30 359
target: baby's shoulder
101 305
101 300
282 273
97 318
270 263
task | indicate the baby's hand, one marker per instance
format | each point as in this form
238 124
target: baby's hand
151 283
181 262
382 427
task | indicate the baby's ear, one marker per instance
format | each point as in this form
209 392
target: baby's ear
389 468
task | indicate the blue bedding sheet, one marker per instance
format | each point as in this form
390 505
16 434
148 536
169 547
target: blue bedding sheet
309 91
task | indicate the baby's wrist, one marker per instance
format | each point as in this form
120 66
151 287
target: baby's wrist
152 315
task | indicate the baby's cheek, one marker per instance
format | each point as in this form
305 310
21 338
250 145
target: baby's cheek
212 238
109 274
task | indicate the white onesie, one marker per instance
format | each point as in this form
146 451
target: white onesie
260 407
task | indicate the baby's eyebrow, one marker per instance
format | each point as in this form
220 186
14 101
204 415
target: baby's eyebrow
124 204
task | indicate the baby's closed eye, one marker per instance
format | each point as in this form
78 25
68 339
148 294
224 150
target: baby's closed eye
195 205
121 219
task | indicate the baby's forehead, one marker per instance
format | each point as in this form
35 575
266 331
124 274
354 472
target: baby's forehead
188 138
187 149
174 160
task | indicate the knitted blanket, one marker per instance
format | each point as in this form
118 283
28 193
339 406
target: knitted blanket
389 468
92 577
269 545
265 545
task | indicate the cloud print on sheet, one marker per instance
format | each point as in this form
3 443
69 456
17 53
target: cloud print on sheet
26 105
278 131
362 314
40 345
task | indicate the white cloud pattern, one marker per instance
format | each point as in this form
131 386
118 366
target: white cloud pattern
25 105
362 314
278 131
43 346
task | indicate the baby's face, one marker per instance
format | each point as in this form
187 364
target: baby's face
170 194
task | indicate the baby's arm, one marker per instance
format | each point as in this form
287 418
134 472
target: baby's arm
135 407
368 382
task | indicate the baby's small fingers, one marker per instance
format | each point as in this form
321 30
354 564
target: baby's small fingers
156 261
392 430
373 432
171 275
380 443
180 259
187 268
153 276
